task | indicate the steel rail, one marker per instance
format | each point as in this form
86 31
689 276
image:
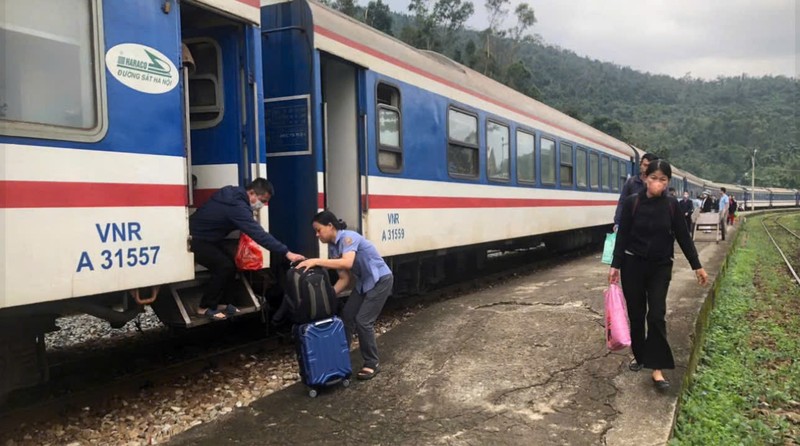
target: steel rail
785 259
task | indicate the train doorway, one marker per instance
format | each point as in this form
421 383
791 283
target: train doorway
342 177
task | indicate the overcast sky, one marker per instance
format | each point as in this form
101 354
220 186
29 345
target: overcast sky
706 38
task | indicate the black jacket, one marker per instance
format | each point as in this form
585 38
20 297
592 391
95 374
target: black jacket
228 210
687 207
651 231
632 186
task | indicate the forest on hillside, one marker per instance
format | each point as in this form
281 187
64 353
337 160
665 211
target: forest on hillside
707 127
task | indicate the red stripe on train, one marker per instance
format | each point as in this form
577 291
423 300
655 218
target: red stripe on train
415 202
56 194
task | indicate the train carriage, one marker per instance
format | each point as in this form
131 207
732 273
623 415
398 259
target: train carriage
103 122
782 197
418 152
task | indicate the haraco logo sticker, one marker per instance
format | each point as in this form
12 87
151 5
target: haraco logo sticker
142 68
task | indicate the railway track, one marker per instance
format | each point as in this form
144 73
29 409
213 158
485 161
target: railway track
94 378
775 222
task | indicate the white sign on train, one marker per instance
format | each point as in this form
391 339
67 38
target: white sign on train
142 68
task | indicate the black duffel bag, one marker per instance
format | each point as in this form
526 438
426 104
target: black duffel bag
309 295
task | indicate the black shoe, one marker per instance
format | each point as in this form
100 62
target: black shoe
661 384
635 366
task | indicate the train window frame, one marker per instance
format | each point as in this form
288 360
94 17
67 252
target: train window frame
98 98
395 106
507 151
605 159
614 175
595 178
463 145
578 151
554 164
623 173
217 80
570 166
532 134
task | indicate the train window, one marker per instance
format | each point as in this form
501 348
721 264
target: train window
206 100
566 164
526 160
390 149
52 84
462 147
623 173
547 152
605 170
614 177
580 168
594 170
497 151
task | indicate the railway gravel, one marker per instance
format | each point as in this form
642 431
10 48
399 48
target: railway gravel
153 415
88 331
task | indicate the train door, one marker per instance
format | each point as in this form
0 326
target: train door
220 134
217 113
342 141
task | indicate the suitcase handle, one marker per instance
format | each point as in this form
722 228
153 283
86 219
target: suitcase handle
323 321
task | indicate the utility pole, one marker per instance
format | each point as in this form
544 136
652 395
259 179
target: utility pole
753 189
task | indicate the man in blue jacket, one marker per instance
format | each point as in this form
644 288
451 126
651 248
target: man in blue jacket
634 185
230 208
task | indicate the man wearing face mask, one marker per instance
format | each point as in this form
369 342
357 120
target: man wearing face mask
230 208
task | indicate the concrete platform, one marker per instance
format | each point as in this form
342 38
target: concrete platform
524 363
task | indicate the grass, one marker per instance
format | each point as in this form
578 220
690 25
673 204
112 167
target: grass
746 388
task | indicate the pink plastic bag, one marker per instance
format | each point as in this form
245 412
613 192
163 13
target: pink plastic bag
618 332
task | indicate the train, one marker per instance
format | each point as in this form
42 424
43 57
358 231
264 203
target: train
118 119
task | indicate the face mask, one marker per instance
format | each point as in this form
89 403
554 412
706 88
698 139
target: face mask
257 205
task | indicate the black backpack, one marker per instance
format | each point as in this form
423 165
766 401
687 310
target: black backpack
310 295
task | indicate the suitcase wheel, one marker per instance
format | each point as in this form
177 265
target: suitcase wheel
312 393
346 383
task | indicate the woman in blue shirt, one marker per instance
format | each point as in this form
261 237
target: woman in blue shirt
362 270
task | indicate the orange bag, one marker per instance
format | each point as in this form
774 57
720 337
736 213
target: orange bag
248 255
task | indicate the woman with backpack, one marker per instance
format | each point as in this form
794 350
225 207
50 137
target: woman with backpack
649 225
362 270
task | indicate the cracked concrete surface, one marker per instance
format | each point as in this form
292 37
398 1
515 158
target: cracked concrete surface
524 363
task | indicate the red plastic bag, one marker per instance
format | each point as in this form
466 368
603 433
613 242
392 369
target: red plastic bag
618 332
248 255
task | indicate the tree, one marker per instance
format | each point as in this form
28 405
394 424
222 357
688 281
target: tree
348 7
609 126
379 16
437 24
497 11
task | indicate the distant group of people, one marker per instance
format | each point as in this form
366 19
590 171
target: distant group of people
361 269
648 220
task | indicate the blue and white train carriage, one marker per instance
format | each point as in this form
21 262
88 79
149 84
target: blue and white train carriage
421 154
102 126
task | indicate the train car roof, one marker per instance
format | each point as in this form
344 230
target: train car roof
354 41
248 10
781 190
731 187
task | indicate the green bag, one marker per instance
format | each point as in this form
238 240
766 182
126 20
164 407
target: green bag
608 248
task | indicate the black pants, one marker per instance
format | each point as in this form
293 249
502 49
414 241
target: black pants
217 257
645 285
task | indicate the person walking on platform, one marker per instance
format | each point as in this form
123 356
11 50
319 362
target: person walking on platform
633 185
362 270
687 209
732 208
643 255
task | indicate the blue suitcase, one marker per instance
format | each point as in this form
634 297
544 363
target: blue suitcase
323 354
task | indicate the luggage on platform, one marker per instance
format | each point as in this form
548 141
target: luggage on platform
322 354
310 295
